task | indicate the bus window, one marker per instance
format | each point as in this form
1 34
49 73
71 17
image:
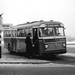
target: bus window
40 32
50 32
18 33
22 32
4 34
58 31
44 32
13 33
7 33
26 31
30 31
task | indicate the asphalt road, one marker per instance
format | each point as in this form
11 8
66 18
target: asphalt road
59 65
35 70
60 59
71 49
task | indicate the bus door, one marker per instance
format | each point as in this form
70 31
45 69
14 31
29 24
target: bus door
35 41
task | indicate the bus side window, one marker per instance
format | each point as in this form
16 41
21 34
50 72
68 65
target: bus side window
22 32
30 31
13 33
18 33
26 31
7 33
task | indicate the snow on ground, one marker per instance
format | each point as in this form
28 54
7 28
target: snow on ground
72 42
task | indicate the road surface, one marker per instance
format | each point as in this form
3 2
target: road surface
22 69
17 64
64 59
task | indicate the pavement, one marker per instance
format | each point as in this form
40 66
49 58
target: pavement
22 60
69 55
26 61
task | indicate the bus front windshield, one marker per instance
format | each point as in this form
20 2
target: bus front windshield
51 31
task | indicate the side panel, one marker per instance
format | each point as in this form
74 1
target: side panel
6 41
41 47
20 45
13 43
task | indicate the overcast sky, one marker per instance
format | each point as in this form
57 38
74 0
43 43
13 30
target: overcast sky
22 11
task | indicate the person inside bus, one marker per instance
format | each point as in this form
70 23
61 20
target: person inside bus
28 45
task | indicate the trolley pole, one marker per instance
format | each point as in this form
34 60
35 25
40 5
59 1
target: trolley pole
1 34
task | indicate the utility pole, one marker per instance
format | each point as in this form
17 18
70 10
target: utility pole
1 22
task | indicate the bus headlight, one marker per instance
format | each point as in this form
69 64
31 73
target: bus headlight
46 46
64 44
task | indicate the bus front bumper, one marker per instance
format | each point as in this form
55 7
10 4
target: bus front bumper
55 51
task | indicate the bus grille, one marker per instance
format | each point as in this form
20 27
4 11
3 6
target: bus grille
54 40
49 40
55 46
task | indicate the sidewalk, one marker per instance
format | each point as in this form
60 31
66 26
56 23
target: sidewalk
20 59
23 60
28 61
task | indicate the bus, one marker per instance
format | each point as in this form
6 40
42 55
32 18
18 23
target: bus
48 37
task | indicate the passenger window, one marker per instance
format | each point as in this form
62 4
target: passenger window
18 33
26 31
13 33
30 31
22 32
7 33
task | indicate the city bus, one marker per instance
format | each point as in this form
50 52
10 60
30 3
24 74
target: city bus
48 37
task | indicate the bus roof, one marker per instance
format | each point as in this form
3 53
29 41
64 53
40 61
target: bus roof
36 23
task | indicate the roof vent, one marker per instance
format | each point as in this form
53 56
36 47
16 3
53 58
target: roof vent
28 22
41 20
34 21
51 20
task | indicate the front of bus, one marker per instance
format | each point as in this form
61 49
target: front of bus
53 38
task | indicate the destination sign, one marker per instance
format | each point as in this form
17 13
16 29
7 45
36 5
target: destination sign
49 25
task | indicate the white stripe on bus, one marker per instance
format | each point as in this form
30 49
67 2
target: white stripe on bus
51 37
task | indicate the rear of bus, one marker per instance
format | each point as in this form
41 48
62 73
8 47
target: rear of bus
52 38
